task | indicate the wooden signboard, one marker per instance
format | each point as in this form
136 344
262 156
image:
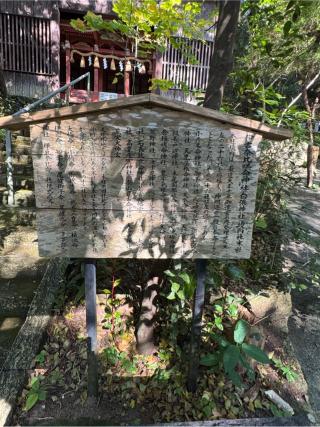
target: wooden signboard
144 177
145 183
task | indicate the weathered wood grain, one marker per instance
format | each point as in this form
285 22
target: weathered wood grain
111 234
146 183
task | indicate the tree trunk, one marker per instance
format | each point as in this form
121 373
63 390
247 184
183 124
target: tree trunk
311 164
222 59
145 326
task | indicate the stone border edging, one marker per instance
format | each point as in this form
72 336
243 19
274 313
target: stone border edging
26 344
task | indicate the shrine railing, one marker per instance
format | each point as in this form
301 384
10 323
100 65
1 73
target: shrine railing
66 88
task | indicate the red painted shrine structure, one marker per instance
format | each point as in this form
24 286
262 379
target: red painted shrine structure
40 51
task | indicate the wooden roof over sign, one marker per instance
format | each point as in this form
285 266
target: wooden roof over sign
24 120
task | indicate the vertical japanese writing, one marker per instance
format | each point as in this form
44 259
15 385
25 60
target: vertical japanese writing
92 140
70 139
49 181
208 170
93 194
163 163
103 184
116 141
82 138
186 170
218 195
172 234
59 138
60 186
244 189
129 187
152 181
129 153
152 141
228 199
164 147
141 166
175 148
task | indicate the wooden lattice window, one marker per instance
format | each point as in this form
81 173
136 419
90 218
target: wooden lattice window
25 44
176 68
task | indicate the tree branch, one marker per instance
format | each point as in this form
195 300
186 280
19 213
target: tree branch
296 99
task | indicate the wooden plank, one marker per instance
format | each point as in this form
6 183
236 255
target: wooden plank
151 99
33 44
36 29
6 50
91 324
55 48
119 234
25 38
147 183
12 43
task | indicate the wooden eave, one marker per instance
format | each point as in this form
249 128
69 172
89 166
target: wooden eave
24 120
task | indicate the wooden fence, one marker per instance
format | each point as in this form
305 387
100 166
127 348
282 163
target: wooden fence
175 66
25 44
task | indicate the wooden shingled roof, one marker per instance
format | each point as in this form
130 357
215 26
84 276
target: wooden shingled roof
24 120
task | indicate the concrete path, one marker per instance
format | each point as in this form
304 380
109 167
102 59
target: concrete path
21 270
302 259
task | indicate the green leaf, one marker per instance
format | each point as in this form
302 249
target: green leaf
233 310
240 331
169 273
250 371
32 399
181 295
296 14
35 383
171 296
231 358
235 272
220 340
261 223
235 378
255 353
218 308
185 277
218 323
286 28
210 359
175 287
290 4
116 283
42 395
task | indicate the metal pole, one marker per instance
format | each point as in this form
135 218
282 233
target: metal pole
25 110
91 322
51 95
88 85
198 303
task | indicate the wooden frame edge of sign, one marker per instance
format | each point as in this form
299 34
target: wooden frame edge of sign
24 120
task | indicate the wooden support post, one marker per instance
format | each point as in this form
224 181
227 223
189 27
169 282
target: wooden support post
157 69
91 322
126 83
96 72
198 303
